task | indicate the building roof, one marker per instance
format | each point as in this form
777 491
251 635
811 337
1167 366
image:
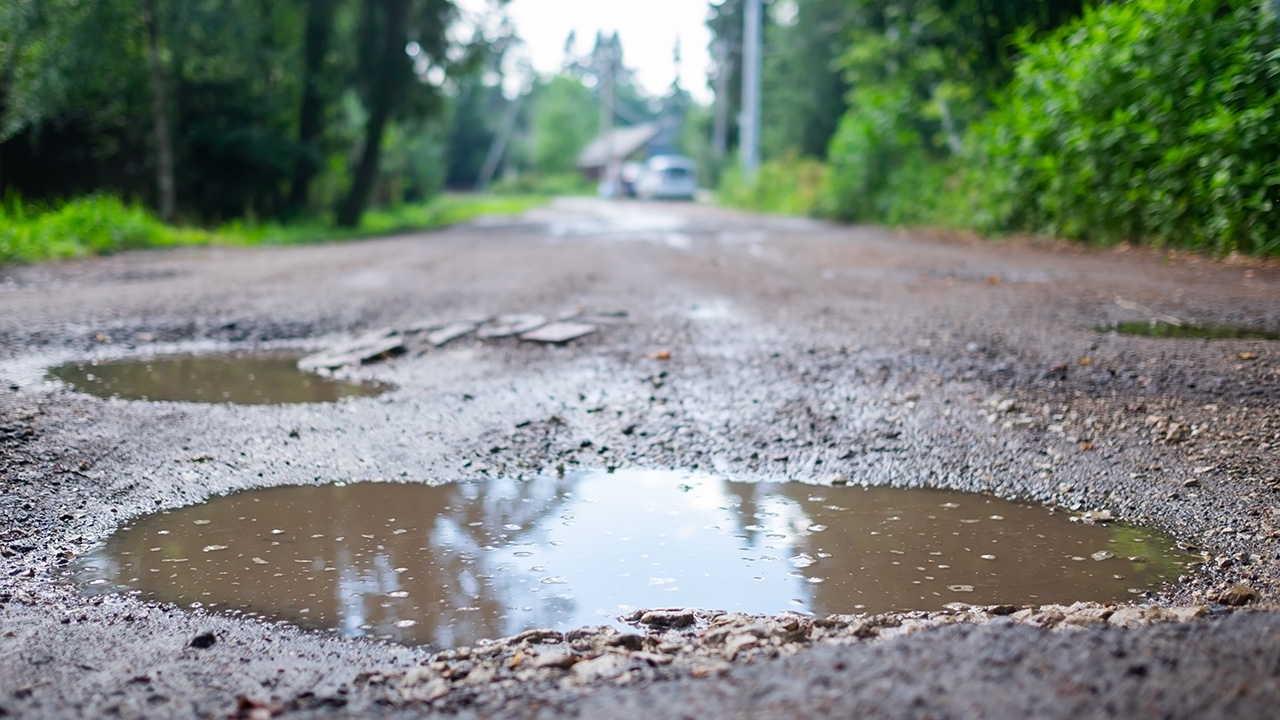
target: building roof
621 143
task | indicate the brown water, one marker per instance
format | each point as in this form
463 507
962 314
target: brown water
241 380
449 565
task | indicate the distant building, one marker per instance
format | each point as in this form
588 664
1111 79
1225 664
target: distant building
635 143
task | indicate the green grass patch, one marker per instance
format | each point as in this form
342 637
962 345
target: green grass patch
92 225
100 225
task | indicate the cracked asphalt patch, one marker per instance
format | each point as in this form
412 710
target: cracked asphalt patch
759 348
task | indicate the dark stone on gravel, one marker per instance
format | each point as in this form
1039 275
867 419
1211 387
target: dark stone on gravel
203 640
667 618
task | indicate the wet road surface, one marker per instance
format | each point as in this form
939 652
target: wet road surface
756 349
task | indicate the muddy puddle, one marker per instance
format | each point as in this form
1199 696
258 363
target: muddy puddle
240 380
1192 332
450 565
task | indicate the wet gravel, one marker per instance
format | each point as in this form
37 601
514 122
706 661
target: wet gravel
758 348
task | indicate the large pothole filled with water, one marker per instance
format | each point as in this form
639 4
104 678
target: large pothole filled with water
450 565
237 379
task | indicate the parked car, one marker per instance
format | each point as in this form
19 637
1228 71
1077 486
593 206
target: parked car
668 177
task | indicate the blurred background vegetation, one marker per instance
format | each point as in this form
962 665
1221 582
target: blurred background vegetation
1145 121
139 123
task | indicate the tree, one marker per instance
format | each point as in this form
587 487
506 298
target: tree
388 80
316 43
803 80
159 113
565 120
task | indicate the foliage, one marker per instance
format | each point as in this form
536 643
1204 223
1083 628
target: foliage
806 87
921 74
100 225
91 225
789 185
276 109
565 120
1152 120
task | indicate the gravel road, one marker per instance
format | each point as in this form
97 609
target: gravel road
756 348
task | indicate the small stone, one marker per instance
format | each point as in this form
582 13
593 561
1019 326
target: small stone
1191 482
1102 555
1238 596
1190 612
668 618
1129 617
366 348
508 325
630 641
1177 433
709 669
737 643
203 640
558 332
561 660
605 666
450 332
839 479
1086 618
653 658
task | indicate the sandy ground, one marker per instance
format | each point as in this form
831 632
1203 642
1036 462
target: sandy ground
797 350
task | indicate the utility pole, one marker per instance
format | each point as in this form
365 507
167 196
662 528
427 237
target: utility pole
749 143
609 61
525 74
499 145
720 130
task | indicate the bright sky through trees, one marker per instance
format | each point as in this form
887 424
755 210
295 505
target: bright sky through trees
648 30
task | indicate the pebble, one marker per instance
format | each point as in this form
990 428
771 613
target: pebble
1238 595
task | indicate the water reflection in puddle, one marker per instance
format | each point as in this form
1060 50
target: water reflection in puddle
450 565
1169 330
241 380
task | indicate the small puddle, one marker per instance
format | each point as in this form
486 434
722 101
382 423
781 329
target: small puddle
236 379
450 565
1210 332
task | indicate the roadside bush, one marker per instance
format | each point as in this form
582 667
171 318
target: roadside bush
882 171
99 225
790 185
1153 120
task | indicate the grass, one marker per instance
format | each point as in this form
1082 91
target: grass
100 225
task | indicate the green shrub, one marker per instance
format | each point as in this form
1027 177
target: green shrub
1152 120
93 225
790 185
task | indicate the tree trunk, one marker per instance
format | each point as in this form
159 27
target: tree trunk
387 38
311 114
159 114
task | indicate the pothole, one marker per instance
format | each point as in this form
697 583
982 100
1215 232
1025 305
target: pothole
453 564
237 379
1201 332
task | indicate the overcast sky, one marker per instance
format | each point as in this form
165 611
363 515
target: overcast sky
648 29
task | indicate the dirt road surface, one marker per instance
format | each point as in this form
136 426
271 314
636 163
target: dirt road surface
756 348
